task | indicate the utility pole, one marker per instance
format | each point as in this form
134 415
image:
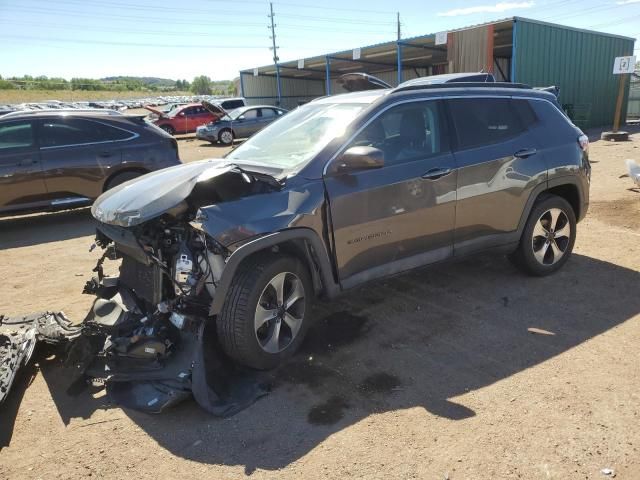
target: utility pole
275 52
399 51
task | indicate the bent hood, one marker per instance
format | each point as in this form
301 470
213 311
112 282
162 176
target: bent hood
141 199
216 110
160 113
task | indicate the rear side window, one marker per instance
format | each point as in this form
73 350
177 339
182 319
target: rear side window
71 131
231 104
268 113
484 121
16 135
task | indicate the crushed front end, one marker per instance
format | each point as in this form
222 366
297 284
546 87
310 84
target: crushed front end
149 335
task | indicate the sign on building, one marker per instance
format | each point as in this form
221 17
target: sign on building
301 64
441 38
255 72
624 65
356 54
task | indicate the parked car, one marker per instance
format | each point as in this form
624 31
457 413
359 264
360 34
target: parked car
239 123
53 159
341 191
187 118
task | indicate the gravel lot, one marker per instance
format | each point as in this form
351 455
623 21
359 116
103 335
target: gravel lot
465 370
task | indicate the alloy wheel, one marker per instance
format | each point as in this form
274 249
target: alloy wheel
280 312
226 137
551 236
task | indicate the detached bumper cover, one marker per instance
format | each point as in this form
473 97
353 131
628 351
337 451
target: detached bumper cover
18 339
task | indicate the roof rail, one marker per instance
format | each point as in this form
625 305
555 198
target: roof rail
49 111
437 86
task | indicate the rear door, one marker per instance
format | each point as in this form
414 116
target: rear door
267 115
78 154
21 177
499 165
200 116
402 215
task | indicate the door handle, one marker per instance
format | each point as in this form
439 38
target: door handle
27 162
436 173
525 153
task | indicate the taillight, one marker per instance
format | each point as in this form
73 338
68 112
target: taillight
583 141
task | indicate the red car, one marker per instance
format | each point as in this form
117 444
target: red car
186 118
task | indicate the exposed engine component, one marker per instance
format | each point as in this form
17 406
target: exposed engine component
144 334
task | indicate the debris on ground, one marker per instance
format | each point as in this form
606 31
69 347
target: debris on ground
18 339
609 472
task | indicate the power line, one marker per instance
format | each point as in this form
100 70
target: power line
130 44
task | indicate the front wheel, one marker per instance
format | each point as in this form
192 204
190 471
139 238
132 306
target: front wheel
548 237
226 137
264 317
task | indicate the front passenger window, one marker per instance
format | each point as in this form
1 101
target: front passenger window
412 131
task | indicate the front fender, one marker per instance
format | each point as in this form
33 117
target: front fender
320 260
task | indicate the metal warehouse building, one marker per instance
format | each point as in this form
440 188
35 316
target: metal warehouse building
516 49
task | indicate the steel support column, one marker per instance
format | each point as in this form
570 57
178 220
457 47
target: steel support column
278 86
399 55
328 75
513 52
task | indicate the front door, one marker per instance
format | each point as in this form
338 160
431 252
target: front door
21 179
402 215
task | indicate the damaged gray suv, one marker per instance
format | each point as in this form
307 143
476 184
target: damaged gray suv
343 190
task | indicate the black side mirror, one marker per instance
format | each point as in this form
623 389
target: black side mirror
357 158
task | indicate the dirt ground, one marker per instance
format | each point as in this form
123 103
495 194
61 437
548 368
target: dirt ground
462 371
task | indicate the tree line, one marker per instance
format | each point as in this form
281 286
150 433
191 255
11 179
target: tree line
201 85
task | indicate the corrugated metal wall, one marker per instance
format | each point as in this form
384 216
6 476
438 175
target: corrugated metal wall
294 91
579 62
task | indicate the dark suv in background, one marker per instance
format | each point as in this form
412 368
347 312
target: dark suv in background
62 159
343 190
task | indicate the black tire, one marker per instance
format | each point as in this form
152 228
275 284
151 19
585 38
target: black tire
546 263
169 129
235 324
120 178
226 140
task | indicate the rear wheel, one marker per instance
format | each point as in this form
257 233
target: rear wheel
169 129
548 237
121 177
226 137
264 317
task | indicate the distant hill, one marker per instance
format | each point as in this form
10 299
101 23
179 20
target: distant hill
151 81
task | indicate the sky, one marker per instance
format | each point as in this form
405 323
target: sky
217 38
